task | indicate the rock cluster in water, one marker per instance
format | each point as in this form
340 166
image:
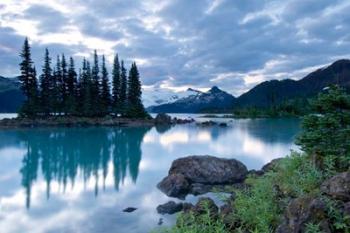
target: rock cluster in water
199 174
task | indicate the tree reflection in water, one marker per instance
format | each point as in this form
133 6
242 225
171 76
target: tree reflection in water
62 154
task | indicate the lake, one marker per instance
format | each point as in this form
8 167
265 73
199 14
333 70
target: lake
80 179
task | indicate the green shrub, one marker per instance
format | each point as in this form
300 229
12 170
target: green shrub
256 208
190 223
297 176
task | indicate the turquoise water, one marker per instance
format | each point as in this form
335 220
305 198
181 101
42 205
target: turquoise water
80 179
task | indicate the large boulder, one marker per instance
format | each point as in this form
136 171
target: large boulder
300 212
338 187
209 170
175 185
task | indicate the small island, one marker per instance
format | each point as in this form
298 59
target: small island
61 96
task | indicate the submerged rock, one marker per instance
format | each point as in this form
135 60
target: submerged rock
169 208
207 123
300 212
175 185
129 209
338 187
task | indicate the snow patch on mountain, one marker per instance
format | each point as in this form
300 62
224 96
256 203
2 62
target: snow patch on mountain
158 96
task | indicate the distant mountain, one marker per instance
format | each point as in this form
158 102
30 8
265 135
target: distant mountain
274 92
158 96
263 95
11 96
212 99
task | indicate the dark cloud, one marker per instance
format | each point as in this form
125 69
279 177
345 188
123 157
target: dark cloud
192 43
50 20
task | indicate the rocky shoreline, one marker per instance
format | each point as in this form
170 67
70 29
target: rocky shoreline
72 121
210 172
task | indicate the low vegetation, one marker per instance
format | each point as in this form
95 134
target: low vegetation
325 141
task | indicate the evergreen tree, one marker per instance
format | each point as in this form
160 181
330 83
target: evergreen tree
58 87
135 106
85 89
105 89
71 87
45 85
64 85
116 103
123 89
28 82
95 87
326 133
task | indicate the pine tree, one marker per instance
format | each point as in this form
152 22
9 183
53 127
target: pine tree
116 103
64 87
123 89
58 87
95 87
45 85
85 89
105 89
71 87
135 106
28 82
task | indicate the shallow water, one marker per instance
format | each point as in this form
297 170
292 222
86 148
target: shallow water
80 179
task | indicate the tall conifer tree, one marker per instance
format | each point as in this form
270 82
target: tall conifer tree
59 87
95 87
116 103
123 89
45 86
28 81
135 106
64 84
105 89
71 87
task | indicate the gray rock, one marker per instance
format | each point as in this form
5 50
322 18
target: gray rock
209 170
271 166
205 205
175 185
162 119
169 208
338 187
301 211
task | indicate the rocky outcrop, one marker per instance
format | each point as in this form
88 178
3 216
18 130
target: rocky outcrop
271 166
198 175
338 187
301 211
162 119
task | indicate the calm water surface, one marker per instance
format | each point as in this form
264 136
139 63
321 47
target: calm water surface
80 179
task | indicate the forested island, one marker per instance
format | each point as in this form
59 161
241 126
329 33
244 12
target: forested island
62 91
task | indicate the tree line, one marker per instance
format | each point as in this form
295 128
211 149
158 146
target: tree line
60 90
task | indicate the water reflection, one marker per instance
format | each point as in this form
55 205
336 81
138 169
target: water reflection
61 154
87 176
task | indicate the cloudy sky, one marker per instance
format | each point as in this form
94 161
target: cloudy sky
177 44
